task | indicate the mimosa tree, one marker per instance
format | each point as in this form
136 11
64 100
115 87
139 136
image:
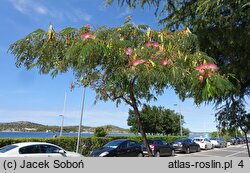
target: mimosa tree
130 64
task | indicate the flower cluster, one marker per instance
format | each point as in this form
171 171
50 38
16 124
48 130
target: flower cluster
87 35
152 44
206 70
134 62
166 61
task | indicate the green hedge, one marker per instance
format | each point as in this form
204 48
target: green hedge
87 143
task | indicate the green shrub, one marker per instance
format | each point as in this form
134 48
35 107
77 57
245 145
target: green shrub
100 132
87 144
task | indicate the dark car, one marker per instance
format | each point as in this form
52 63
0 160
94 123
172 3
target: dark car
159 148
242 140
119 148
186 145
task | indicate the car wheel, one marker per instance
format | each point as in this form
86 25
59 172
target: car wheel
187 150
157 154
205 147
198 149
172 153
140 155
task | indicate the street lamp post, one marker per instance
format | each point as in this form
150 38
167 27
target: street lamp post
180 118
80 125
61 124
62 115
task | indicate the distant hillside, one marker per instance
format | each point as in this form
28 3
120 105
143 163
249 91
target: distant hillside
25 126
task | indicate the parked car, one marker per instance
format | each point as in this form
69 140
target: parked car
218 142
119 148
242 140
159 148
234 141
35 149
186 145
203 142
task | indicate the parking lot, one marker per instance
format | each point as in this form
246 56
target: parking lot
230 151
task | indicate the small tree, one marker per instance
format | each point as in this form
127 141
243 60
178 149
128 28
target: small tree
100 132
155 120
131 64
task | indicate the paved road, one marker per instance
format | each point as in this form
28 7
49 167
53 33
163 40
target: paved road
230 151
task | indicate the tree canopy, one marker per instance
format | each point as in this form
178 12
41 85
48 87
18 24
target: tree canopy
156 120
110 59
131 64
222 28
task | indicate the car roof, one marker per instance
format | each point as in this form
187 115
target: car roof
182 139
199 138
155 140
22 144
121 140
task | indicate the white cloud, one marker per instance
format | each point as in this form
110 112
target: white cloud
41 10
77 15
30 7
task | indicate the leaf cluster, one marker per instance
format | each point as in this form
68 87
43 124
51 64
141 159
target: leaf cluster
101 62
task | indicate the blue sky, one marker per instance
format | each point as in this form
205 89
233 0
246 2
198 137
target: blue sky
28 96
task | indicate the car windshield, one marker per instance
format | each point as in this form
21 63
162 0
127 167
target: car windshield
214 138
199 140
113 144
179 140
7 148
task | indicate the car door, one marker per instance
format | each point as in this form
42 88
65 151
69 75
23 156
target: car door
133 149
192 145
166 148
209 144
122 150
31 151
52 151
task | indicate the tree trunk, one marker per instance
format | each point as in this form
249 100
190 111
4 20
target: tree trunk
143 134
139 123
245 134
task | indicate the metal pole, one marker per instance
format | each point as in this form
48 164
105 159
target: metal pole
180 119
80 125
61 124
218 127
64 108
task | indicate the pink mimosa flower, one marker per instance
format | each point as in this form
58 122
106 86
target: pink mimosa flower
199 68
85 36
129 51
148 44
136 62
156 44
164 61
212 66
206 70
